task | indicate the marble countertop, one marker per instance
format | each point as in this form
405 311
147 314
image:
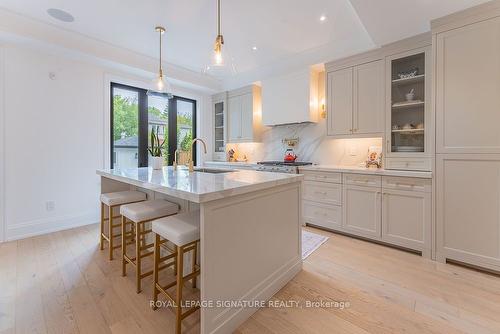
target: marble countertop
199 187
363 170
228 163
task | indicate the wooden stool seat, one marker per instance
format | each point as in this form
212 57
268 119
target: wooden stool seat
183 230
138 214
113 200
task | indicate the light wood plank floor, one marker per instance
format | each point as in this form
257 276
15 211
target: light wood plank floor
62 283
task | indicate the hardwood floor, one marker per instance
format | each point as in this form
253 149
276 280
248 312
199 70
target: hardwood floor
62 283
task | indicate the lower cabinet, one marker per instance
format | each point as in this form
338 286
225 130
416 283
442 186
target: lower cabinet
406 217
393 210
468 209
362 211
323 215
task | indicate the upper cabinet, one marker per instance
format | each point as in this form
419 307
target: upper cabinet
219 103
244 115
292 98
468 87
355 100
408 109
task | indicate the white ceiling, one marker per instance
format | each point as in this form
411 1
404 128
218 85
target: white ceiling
287 33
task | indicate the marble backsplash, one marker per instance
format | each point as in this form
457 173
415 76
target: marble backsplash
313 146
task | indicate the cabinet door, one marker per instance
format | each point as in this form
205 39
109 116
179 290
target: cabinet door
467 89
320 214
406 219
468 208
362 215
234 115
369 98
339 102
246 117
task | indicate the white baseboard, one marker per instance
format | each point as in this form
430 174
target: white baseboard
47 225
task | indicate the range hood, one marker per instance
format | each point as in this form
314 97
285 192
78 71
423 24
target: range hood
290 98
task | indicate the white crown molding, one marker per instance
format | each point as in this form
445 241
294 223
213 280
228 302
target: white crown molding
19 29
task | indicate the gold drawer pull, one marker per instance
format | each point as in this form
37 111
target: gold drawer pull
321 192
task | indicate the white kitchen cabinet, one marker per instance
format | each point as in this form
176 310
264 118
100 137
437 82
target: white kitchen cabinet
355 100
406 219
244 115
468 209
391 209
234 116
409 124
467 88
328 193
339 102
368 96
219 106
362 211
290 98
322 215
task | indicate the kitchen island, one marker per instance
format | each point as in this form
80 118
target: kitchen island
250 232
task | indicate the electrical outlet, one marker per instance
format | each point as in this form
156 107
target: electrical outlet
352 150
50 205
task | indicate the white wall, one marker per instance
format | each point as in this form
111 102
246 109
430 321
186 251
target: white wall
55 137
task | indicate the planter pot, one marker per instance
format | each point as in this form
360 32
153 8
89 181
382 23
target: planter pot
157 162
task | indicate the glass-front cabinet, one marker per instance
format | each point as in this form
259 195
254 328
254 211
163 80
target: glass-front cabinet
219 103
408 128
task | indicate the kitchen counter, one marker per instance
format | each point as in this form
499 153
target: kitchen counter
363 170
232 164
244 214
199 187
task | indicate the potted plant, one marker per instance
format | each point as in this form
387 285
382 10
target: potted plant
155 150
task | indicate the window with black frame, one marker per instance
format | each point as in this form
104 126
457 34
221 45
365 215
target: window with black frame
134 114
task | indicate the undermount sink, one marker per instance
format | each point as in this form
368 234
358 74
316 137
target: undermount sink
213 170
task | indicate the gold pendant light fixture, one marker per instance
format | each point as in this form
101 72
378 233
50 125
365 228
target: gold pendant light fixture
219 40
160 84
221 64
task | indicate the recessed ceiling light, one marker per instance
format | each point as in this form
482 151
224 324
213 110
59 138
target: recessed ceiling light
60 15
322 18
254 48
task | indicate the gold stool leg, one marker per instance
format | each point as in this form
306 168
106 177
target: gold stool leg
110 233
180 283
193 265
155 269
101 239
124 246
138 256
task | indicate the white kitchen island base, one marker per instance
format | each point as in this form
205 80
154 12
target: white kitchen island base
248 252
250 234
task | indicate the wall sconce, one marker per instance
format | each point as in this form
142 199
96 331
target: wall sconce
323 108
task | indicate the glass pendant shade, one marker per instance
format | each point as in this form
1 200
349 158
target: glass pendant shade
160 84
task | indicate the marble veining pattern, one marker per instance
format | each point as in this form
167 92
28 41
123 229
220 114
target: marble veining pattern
199 187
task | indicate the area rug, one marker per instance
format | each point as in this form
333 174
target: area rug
311 242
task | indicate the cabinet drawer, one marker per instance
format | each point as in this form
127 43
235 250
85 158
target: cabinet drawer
331 177
363 180
328 216
330 193
407 183
423 164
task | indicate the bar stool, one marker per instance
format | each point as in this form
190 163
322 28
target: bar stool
183 230
111 201
138 214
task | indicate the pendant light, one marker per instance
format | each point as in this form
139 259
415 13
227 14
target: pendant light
219 41
221 63
160 84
